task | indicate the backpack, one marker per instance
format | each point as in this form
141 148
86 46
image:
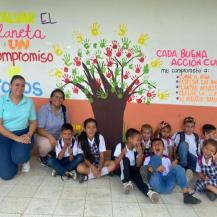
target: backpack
61 143
182 139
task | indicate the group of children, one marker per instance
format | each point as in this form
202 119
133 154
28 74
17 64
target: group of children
154 161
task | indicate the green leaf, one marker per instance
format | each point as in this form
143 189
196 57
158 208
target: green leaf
146 69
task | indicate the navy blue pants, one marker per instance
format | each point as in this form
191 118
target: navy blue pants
64 165
13 153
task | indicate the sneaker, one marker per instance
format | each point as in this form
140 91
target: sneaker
82 178
43 160
72 174
153 196
54 173
189 175
190 199
144 174
128 187
26 167
212 196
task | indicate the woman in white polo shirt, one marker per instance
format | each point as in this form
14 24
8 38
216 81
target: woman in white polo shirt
17 125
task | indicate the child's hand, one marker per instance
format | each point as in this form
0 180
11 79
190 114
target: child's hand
150 169
214 157
95 171
138 148
124 151
161 169
163 124
175 162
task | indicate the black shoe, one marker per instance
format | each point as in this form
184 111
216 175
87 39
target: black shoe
43 160
82 178
212 196
190 199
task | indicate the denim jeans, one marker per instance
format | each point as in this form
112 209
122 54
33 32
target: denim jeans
13 153
187 160
64 165
164 184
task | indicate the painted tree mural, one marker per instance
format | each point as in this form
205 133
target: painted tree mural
110 74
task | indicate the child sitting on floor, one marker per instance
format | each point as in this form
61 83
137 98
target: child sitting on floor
207 169
67 157
163 175
130 157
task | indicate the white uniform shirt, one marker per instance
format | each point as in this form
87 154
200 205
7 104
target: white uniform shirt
130 154
190 139
60 146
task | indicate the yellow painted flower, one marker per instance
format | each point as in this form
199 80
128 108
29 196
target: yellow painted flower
57 73
57 50
78 36
122 30
143 38
163 95
156 63
13 70
94 29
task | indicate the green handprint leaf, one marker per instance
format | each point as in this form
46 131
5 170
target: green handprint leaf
137 50
125 43
117 71
88 62
130 66
95 45
102 43
66 59
98 54
146 69
74 72
79 53
124 62
87 43
101 94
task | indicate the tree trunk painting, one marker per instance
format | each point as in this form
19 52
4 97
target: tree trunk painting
109 74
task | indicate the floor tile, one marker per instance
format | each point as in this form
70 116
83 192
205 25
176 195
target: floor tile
70 207
22 191
126 210
41 206
98 194
98 209
14 205
74 193
118 195
205 210
52 192
181 210
156 210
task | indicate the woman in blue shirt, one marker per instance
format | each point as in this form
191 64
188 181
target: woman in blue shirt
17 125
51 117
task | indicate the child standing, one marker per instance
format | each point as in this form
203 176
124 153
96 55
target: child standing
164 132
67 157
93 147
130 157
146 134
187 145
207 169
163 175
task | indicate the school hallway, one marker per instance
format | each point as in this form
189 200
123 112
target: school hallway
37 194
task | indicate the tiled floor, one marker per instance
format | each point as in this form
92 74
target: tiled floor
37 194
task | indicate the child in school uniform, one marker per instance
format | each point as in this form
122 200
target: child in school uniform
67 154
130 157
164 132
163 175
207 169
92 145
146 134
209 132
187 147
